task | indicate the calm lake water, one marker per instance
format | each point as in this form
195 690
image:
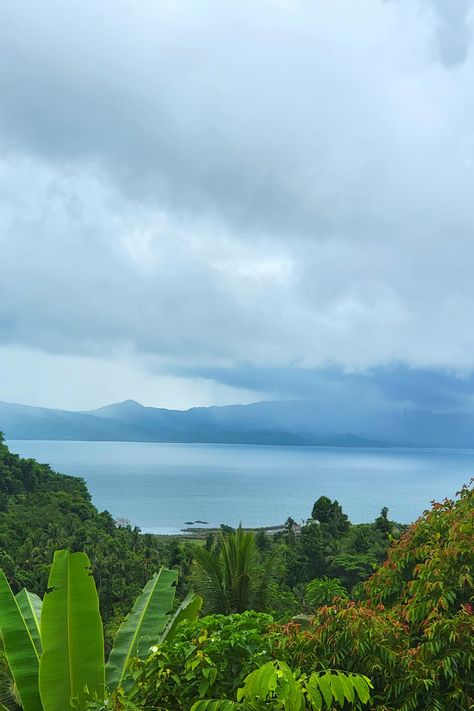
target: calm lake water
161 486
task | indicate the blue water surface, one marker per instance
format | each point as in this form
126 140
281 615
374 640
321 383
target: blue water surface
159 487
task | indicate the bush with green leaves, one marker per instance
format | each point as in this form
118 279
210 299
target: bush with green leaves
412 632
223 657
210 656
276 686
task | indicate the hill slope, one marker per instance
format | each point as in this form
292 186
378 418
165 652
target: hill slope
130 421
289 423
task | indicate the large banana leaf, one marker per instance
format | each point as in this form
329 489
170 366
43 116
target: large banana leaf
143 627
30 607
19 648
188 610
71 634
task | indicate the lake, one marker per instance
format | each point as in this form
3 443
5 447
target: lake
159 487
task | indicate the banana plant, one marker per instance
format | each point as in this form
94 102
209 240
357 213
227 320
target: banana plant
30 607
19 649
148 624
71 634
55 649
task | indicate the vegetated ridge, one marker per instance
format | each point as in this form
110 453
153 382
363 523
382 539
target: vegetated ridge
297 423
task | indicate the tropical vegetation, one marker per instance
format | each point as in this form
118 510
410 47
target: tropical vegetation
232 576
55 648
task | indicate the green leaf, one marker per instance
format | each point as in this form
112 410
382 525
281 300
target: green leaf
203 687
362 685
20 650
208 576
259 683
264 682
324 683
348 687
30 607
143 627
215 705
312 687
337 689
71 633
187 610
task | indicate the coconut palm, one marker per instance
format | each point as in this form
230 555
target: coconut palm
234 578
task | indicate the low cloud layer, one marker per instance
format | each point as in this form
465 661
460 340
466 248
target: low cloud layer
216 191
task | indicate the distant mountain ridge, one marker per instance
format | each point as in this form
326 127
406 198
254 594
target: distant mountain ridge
131 421
278 423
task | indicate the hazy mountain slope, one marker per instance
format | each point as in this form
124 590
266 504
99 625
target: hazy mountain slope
258 423
131 421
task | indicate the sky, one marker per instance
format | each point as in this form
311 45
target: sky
209 203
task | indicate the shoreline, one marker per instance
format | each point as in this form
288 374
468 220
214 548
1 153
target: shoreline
198 532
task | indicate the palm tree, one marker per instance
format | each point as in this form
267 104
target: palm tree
235 578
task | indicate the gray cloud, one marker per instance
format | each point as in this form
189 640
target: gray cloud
382 387
453 29
287 185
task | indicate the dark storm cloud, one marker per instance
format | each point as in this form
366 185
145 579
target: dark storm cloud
395 385
200 185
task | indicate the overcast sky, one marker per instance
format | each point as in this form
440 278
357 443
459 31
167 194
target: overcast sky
212 202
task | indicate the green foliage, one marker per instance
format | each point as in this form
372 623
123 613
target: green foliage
212 655
330 514
70 670
430 571
149 623
30 607
20 651
143 626
232 657
412 633
329 546
323 591
43 511
9 698
351 568
276 686
71 634
236 579
382 522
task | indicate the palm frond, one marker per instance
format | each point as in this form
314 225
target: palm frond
208 581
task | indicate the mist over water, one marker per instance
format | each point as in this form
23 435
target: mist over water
159 487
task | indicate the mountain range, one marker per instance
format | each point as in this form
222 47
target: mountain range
276 423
